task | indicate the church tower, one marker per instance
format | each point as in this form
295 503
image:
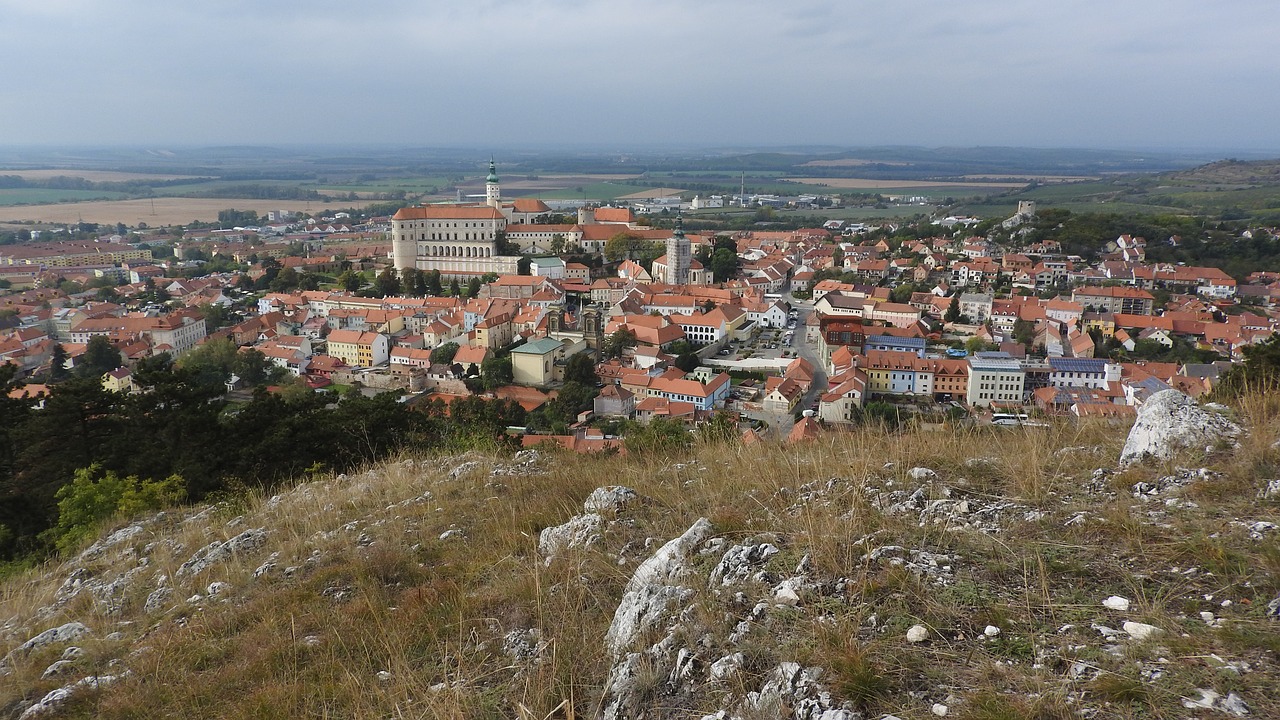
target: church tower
492 193
592 327
679 256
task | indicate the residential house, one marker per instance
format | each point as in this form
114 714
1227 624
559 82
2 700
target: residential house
358 349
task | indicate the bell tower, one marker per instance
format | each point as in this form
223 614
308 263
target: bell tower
492 192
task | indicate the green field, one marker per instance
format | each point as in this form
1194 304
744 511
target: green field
42 196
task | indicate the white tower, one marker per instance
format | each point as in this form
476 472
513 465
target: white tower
492 193
679 256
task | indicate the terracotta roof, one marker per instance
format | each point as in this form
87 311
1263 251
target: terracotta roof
448 212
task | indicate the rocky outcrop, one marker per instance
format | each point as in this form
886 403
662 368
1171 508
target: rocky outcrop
580 531
656 590
1170 421
50 703
219 551
585 530
53 636
653 587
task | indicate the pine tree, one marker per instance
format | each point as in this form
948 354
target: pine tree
953 310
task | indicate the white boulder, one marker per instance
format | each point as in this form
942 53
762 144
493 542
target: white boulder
917 634
1169 421
609 499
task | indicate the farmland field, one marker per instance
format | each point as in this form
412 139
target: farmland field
31 196
166 211
91 175
866 184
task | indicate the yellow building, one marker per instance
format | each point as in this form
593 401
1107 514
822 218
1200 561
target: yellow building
541 362
359 349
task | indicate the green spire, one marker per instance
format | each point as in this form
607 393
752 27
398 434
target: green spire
679 232
493 173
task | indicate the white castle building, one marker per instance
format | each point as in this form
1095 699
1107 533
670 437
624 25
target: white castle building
459 240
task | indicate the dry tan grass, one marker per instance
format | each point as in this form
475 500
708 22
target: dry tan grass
433 613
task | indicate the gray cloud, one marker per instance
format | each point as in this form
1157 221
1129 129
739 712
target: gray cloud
1140 73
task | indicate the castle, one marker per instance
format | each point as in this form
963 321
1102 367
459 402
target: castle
460 240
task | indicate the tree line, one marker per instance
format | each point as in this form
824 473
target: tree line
182 425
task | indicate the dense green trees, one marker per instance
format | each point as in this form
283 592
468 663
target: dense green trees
1259 373
130 447
953 309
617 342
444 354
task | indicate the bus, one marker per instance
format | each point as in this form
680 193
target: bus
1009 418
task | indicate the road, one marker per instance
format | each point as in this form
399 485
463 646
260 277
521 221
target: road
780 423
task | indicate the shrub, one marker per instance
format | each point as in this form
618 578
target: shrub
95 495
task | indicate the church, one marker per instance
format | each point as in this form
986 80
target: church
678 266
460 240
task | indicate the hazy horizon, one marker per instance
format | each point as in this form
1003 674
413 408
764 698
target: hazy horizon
1169 76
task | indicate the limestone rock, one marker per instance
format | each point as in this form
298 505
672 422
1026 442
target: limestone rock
580 531
1115 602
1141 631
55 698
157 599
917 634
218 552
738 562
1169 421
921 474
63 633
794 691
115 538
653 593
726 667
609 499
653 585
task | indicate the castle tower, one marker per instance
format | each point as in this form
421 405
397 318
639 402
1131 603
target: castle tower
492 193
679 256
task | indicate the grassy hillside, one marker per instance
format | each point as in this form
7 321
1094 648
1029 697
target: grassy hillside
417 588
1228 190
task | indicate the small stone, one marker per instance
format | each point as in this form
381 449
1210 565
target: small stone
1115 602
726 667
1234 705
921 473
1204 702
991 631
1140 631
917 634
59 667
384 676
938 709
787 594
217 588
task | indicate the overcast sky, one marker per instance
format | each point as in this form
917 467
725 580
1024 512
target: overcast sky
1146 74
